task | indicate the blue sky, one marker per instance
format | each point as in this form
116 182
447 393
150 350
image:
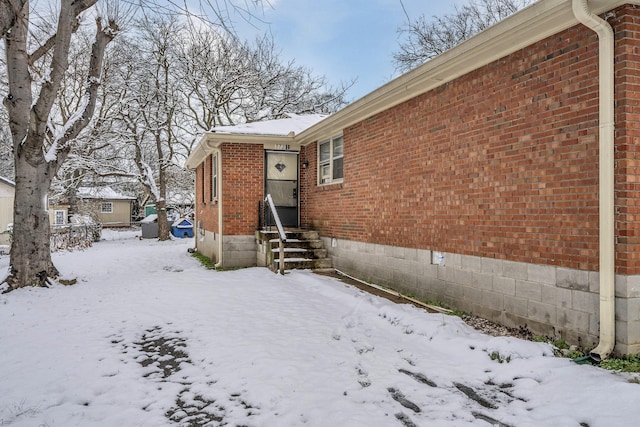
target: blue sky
342 39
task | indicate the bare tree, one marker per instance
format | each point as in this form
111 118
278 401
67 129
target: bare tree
152 96
425 38
29 103
214 68
6 157
279 87
90 151
180 196
228 82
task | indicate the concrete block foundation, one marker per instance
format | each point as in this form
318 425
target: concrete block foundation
552 301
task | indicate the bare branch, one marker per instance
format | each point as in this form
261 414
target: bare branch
79 121
48 45
426 38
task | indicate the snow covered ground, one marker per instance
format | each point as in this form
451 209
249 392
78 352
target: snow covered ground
148 337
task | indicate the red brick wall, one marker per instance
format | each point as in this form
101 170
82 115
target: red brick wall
502 162
243 187
627 136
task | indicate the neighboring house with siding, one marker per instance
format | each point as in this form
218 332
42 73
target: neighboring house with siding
490 178
112 209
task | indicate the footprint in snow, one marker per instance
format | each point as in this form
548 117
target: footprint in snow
363 377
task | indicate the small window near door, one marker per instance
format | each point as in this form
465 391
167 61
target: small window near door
106 207
330 160
59 217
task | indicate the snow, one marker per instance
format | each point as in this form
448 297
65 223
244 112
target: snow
105 193
58 132
7 181
178 199
149 219
295 123
149 337
149 181
182 223
78 219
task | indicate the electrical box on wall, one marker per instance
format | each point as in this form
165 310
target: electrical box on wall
437 258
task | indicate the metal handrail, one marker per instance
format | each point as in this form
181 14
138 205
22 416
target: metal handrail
282 237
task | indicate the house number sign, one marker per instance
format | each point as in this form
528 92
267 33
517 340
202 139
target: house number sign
283 147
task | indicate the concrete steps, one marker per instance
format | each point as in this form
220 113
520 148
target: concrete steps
303 249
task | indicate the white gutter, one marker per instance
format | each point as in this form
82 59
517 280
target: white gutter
606 176
196 156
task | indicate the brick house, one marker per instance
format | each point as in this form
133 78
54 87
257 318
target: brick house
501 178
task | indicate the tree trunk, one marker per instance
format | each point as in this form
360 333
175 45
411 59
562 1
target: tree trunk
31 263
163 224
30 124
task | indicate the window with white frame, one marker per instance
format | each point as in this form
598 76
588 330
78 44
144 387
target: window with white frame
214 177
330 163
106 207
59 217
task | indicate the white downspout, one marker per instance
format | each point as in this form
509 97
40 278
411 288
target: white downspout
606 176
218 156
220 222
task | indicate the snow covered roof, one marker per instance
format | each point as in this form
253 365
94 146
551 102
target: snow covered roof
295 123
279 131
7 181
182 223
151 218
106 193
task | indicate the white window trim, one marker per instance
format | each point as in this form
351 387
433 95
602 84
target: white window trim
102 206
55 217
332 158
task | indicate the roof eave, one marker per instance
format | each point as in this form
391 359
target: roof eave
532 24
212 140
